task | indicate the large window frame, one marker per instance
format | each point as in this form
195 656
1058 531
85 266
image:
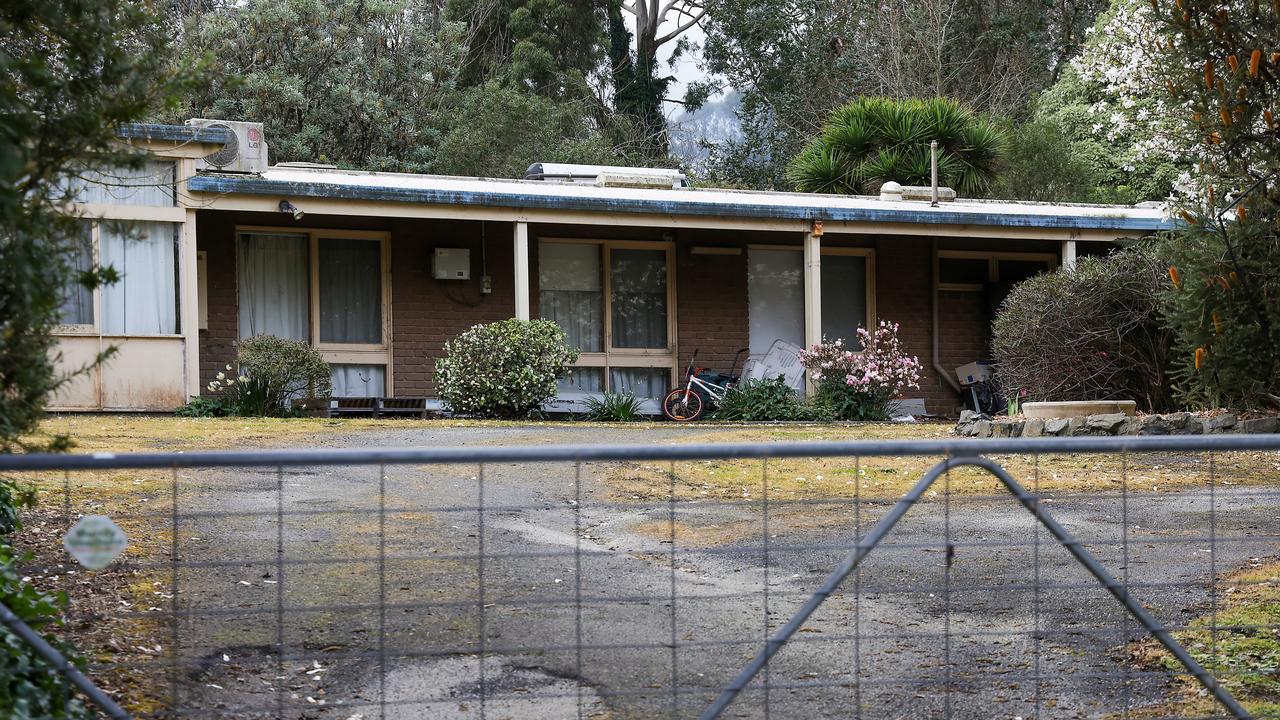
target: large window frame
868 253
342 353
612 357
95 328
993 265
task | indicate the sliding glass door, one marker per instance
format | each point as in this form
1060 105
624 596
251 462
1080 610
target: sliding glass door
327 287
614 300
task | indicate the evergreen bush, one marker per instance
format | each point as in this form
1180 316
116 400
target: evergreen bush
505 369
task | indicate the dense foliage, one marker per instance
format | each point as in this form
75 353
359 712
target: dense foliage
1220 63
764 400
70 73
861 385
29 688
873 140
1090 332
795 61
505 369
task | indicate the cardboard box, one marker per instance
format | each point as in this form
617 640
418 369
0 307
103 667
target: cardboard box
974 372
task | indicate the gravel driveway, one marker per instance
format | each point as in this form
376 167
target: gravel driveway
912 612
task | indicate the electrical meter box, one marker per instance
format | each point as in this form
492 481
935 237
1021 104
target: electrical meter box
451 264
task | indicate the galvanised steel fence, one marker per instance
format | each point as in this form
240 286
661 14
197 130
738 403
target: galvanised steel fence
1057 577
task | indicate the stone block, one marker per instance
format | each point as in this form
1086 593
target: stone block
1033 427
1260 425
982 429
1155 425
1107 424
1220 423
1057 426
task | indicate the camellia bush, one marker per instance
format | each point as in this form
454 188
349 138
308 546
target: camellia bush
1090 332
855 385
505 369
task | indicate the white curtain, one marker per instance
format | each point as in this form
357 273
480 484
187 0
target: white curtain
150 185
775 298
581 380
145 301
638 290
359 380
350 291
844 297
77 298
274 280
569 292
642 382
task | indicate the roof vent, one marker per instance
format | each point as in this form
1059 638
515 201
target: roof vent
891 191
607 176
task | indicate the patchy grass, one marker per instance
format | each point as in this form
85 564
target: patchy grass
879 478
1244 652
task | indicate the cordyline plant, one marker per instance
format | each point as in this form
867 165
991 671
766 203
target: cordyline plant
1220 62
862 385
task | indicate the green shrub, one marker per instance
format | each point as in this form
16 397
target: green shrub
203 406
30 687
1092 332
614 407
273 371
505 369
763 400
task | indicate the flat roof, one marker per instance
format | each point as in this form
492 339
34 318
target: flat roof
320 182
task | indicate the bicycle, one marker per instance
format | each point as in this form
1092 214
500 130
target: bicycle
702 388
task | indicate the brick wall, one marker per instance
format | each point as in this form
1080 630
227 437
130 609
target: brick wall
215 235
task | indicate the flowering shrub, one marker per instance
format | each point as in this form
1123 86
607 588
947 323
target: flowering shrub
861 385
504 369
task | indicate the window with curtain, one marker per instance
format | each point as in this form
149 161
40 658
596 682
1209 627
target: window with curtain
581 380
642 382
638 298
844 297
274 281
775 298
145 300
350 291
150 185
350 380
569 292
77 299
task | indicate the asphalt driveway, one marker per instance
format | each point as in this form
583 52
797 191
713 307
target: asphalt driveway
582 607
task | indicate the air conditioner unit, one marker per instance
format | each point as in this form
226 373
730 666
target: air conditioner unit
246 152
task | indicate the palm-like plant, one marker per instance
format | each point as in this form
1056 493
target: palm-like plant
873 140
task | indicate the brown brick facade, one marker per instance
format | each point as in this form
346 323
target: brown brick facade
711 291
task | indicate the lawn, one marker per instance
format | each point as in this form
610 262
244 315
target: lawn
883 478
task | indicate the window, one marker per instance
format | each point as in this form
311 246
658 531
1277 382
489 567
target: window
775 293
150 185
326 287
77 298
613 300
975 270
144 301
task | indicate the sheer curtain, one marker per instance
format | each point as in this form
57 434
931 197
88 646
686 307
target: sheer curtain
350 291
775 298
145 301
274 285
569 292
151 185
642 382
77 298
638 290
359 380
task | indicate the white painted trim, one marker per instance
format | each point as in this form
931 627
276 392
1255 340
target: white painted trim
1068 253
520 238
812 292
189 302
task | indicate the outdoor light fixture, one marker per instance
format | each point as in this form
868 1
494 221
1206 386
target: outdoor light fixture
288 207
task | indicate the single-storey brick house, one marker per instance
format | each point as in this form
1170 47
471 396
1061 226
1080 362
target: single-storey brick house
379 270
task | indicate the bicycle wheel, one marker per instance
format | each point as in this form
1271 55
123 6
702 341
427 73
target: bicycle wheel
682 405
